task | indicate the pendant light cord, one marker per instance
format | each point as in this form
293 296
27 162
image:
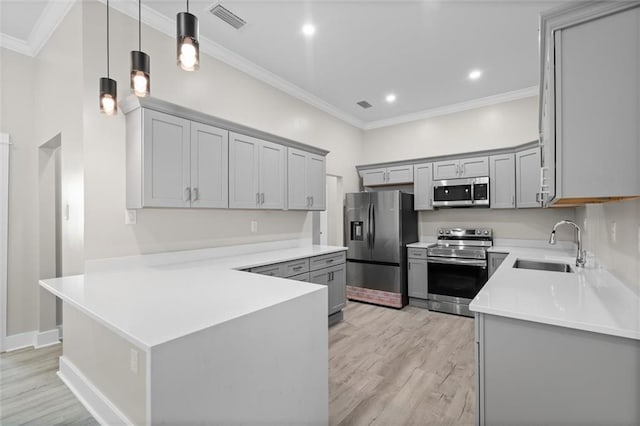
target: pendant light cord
139 25
108 76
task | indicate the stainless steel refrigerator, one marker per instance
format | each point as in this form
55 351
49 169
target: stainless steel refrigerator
378 226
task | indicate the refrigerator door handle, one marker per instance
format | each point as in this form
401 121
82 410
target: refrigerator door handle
373 225
369 227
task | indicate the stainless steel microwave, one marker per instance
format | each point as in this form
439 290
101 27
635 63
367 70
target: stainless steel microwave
461 192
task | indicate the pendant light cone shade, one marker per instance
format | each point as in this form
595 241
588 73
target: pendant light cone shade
140 70
188 47
108 96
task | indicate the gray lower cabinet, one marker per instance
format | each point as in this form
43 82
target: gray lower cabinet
502 181
335 278
527 178
256 173
417 275
532 373
423 186
327 269
494 260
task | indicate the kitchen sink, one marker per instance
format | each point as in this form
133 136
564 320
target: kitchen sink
542 266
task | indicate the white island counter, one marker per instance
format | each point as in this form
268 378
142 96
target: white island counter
178 338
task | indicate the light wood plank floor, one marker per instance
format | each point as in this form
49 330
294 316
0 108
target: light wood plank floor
31 392
407 367
386 367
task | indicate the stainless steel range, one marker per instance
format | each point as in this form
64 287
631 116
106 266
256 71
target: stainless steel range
457 268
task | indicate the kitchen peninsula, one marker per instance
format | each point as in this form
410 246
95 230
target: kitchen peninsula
188 337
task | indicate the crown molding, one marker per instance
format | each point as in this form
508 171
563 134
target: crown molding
15 44
450 109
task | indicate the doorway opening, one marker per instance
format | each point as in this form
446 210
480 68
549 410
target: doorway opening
50 238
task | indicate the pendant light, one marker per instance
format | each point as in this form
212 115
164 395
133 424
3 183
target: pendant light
108 86
140 64
188 46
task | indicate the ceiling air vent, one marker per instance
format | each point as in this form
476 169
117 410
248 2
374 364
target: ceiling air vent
227 16
364 104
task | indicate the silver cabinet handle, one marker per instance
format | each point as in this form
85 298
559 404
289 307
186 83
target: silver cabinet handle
295 268
262 198
187 192
257 198
196 194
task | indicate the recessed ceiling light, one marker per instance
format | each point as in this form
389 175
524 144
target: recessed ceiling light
308 29
391 98
475 74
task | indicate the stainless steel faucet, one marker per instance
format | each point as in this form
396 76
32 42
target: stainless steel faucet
581 257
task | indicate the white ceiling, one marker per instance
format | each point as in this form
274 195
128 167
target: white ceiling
362 50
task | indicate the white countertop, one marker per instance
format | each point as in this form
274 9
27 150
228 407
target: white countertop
589 299
153 304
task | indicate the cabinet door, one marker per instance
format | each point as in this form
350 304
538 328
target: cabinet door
374 177
502 181
244 180
423 186
446 169
166 164
417 278
597 107
474 167
316 181
209 166
337 282
272 173
298 198
400 175
527 178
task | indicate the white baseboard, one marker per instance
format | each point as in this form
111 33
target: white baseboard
19 341
31 339
93 400
47 338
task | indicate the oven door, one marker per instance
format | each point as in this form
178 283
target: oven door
456 277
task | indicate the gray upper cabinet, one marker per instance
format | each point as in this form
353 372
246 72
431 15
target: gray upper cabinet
209 166
397 175
464 168
502 181
590 102
174 162
423 186
527 178
306 180
256 173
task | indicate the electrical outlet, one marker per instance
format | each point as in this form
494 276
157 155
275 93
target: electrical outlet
254 226
130 217
133 361
614 234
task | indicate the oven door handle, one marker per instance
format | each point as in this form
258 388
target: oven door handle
457 261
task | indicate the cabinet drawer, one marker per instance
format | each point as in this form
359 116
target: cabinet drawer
275 270
296 267
417 253
327 260
301 277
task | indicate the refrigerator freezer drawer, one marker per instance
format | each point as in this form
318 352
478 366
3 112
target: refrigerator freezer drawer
374 276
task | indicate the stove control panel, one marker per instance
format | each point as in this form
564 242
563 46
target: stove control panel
466 233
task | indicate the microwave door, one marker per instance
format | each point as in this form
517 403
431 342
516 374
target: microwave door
357 228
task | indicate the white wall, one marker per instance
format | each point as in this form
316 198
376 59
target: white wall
619 254
502 125
216 89
17 120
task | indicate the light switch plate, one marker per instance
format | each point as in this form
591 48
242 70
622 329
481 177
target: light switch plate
254 226
130 217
